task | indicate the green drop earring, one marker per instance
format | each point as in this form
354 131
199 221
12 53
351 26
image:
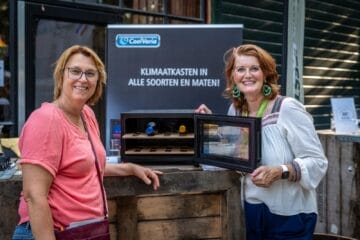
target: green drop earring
267 90
236 92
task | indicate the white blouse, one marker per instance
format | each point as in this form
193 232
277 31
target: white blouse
289 135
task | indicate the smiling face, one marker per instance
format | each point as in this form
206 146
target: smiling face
79 79
248 76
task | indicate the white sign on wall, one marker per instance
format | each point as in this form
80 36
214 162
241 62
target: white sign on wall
344 115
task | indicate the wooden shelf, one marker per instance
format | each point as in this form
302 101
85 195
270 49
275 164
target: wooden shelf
173 141
160 151
158 136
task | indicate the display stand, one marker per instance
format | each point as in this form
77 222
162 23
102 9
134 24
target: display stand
190 204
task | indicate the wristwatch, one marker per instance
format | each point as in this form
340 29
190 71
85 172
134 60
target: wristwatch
285 172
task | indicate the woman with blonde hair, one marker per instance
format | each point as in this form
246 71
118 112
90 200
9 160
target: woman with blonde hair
62 157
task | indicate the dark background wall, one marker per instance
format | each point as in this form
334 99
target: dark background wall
331 55
262 20
331 45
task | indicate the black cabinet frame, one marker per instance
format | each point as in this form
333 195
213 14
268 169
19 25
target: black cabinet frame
228 141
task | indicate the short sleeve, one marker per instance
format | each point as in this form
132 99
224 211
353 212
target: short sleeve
40 141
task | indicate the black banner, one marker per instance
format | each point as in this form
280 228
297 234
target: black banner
167 67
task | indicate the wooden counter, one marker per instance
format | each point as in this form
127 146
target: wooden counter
190 204
339 191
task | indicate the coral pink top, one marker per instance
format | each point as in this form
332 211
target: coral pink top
49 140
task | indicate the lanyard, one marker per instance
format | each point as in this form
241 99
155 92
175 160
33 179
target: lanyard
261 110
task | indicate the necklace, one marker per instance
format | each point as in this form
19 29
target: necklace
262 108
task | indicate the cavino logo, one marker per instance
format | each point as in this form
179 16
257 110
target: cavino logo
137 40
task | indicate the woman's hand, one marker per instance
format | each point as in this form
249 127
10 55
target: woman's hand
264 176
203 109
148 175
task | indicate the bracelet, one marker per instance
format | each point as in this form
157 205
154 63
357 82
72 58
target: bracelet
294 175
297 171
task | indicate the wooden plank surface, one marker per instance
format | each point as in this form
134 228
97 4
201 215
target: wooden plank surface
176 181
194 206
158 136
113 231
127 218
348 188
160 151
321 191
191 228
333 190
179 206
338 192
234 224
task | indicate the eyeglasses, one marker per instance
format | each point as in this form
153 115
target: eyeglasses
76 74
